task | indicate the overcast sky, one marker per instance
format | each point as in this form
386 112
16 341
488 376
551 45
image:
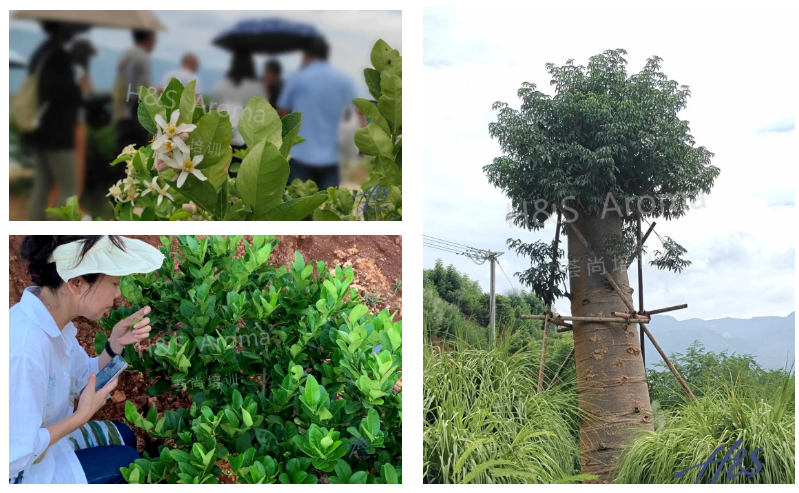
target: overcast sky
740 69
351 35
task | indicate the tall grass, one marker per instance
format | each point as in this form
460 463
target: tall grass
721 417
484 422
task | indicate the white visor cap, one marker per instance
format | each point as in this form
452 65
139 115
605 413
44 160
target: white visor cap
106 258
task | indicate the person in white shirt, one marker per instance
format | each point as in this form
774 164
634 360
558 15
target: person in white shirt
73 276
235 90
185 74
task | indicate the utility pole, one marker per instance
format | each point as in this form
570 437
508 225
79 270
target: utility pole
478 256
492 256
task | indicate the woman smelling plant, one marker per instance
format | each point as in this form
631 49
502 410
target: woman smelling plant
74 276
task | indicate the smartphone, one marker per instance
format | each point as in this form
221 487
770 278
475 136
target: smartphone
111 371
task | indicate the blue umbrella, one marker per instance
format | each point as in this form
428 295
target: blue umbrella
270 36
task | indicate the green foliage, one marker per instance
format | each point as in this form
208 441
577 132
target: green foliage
605 141
722 416
259 191
485 424
279 362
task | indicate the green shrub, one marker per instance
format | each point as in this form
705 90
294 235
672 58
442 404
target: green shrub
721 417
285 367
484 422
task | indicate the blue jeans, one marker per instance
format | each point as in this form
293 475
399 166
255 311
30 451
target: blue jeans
101 464
324 176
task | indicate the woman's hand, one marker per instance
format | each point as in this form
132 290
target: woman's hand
126 332
90 401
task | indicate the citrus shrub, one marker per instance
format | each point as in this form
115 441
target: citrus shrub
285 367
184 172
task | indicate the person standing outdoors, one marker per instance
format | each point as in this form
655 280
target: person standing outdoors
53 140
186 73
273 82
321 92
133 70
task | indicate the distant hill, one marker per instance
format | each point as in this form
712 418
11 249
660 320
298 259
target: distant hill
771 340
102 67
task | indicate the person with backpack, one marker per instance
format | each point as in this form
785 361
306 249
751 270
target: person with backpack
46 109
133 70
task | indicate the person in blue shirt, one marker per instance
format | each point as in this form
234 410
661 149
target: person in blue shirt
321 92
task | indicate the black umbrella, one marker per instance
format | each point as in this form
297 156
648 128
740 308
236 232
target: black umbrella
270 36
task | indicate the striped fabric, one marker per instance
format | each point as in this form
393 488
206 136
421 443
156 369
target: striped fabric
95 434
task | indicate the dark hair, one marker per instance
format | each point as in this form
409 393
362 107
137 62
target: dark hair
37 250
274 66
140 36
317 48
241 67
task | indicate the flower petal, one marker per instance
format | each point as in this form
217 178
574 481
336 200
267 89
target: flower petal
170 196
199 174
185 127
197 159
145 192
175 116
160 199
160 121
181 145
182 178
160 140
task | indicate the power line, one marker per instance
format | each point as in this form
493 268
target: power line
443 249
451 243
506 276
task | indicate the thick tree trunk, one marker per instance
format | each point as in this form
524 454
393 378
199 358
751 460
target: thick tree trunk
611 381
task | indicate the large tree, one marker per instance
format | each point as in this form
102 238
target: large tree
606 150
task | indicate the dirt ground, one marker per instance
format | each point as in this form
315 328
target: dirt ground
376 263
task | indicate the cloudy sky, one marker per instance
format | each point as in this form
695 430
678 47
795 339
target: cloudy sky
739 67
351 35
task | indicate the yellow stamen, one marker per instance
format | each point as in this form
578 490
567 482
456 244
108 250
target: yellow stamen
170 130
188 165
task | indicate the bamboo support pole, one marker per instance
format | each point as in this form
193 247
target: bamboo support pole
640 248
651 312
562 366
629 320
566 328
641 286
549 305
630 307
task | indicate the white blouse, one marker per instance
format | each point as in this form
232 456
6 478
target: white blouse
47 369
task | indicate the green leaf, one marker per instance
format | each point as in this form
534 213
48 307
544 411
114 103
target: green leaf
372 77
291 127
383 56
159 388
295 210
390 103
187 103
262 178
212 138
218 173
99 341
326 442
373 141
170 98
358 312
260 121
201 193
312 391
246 417
389 474
388 170
148 214
149 106
325 215
372 113
315 437
177 216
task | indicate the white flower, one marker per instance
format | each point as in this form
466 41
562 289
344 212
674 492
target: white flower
172 132
114 191
132 194
129 183
131 149
186 165
153 187
129 167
